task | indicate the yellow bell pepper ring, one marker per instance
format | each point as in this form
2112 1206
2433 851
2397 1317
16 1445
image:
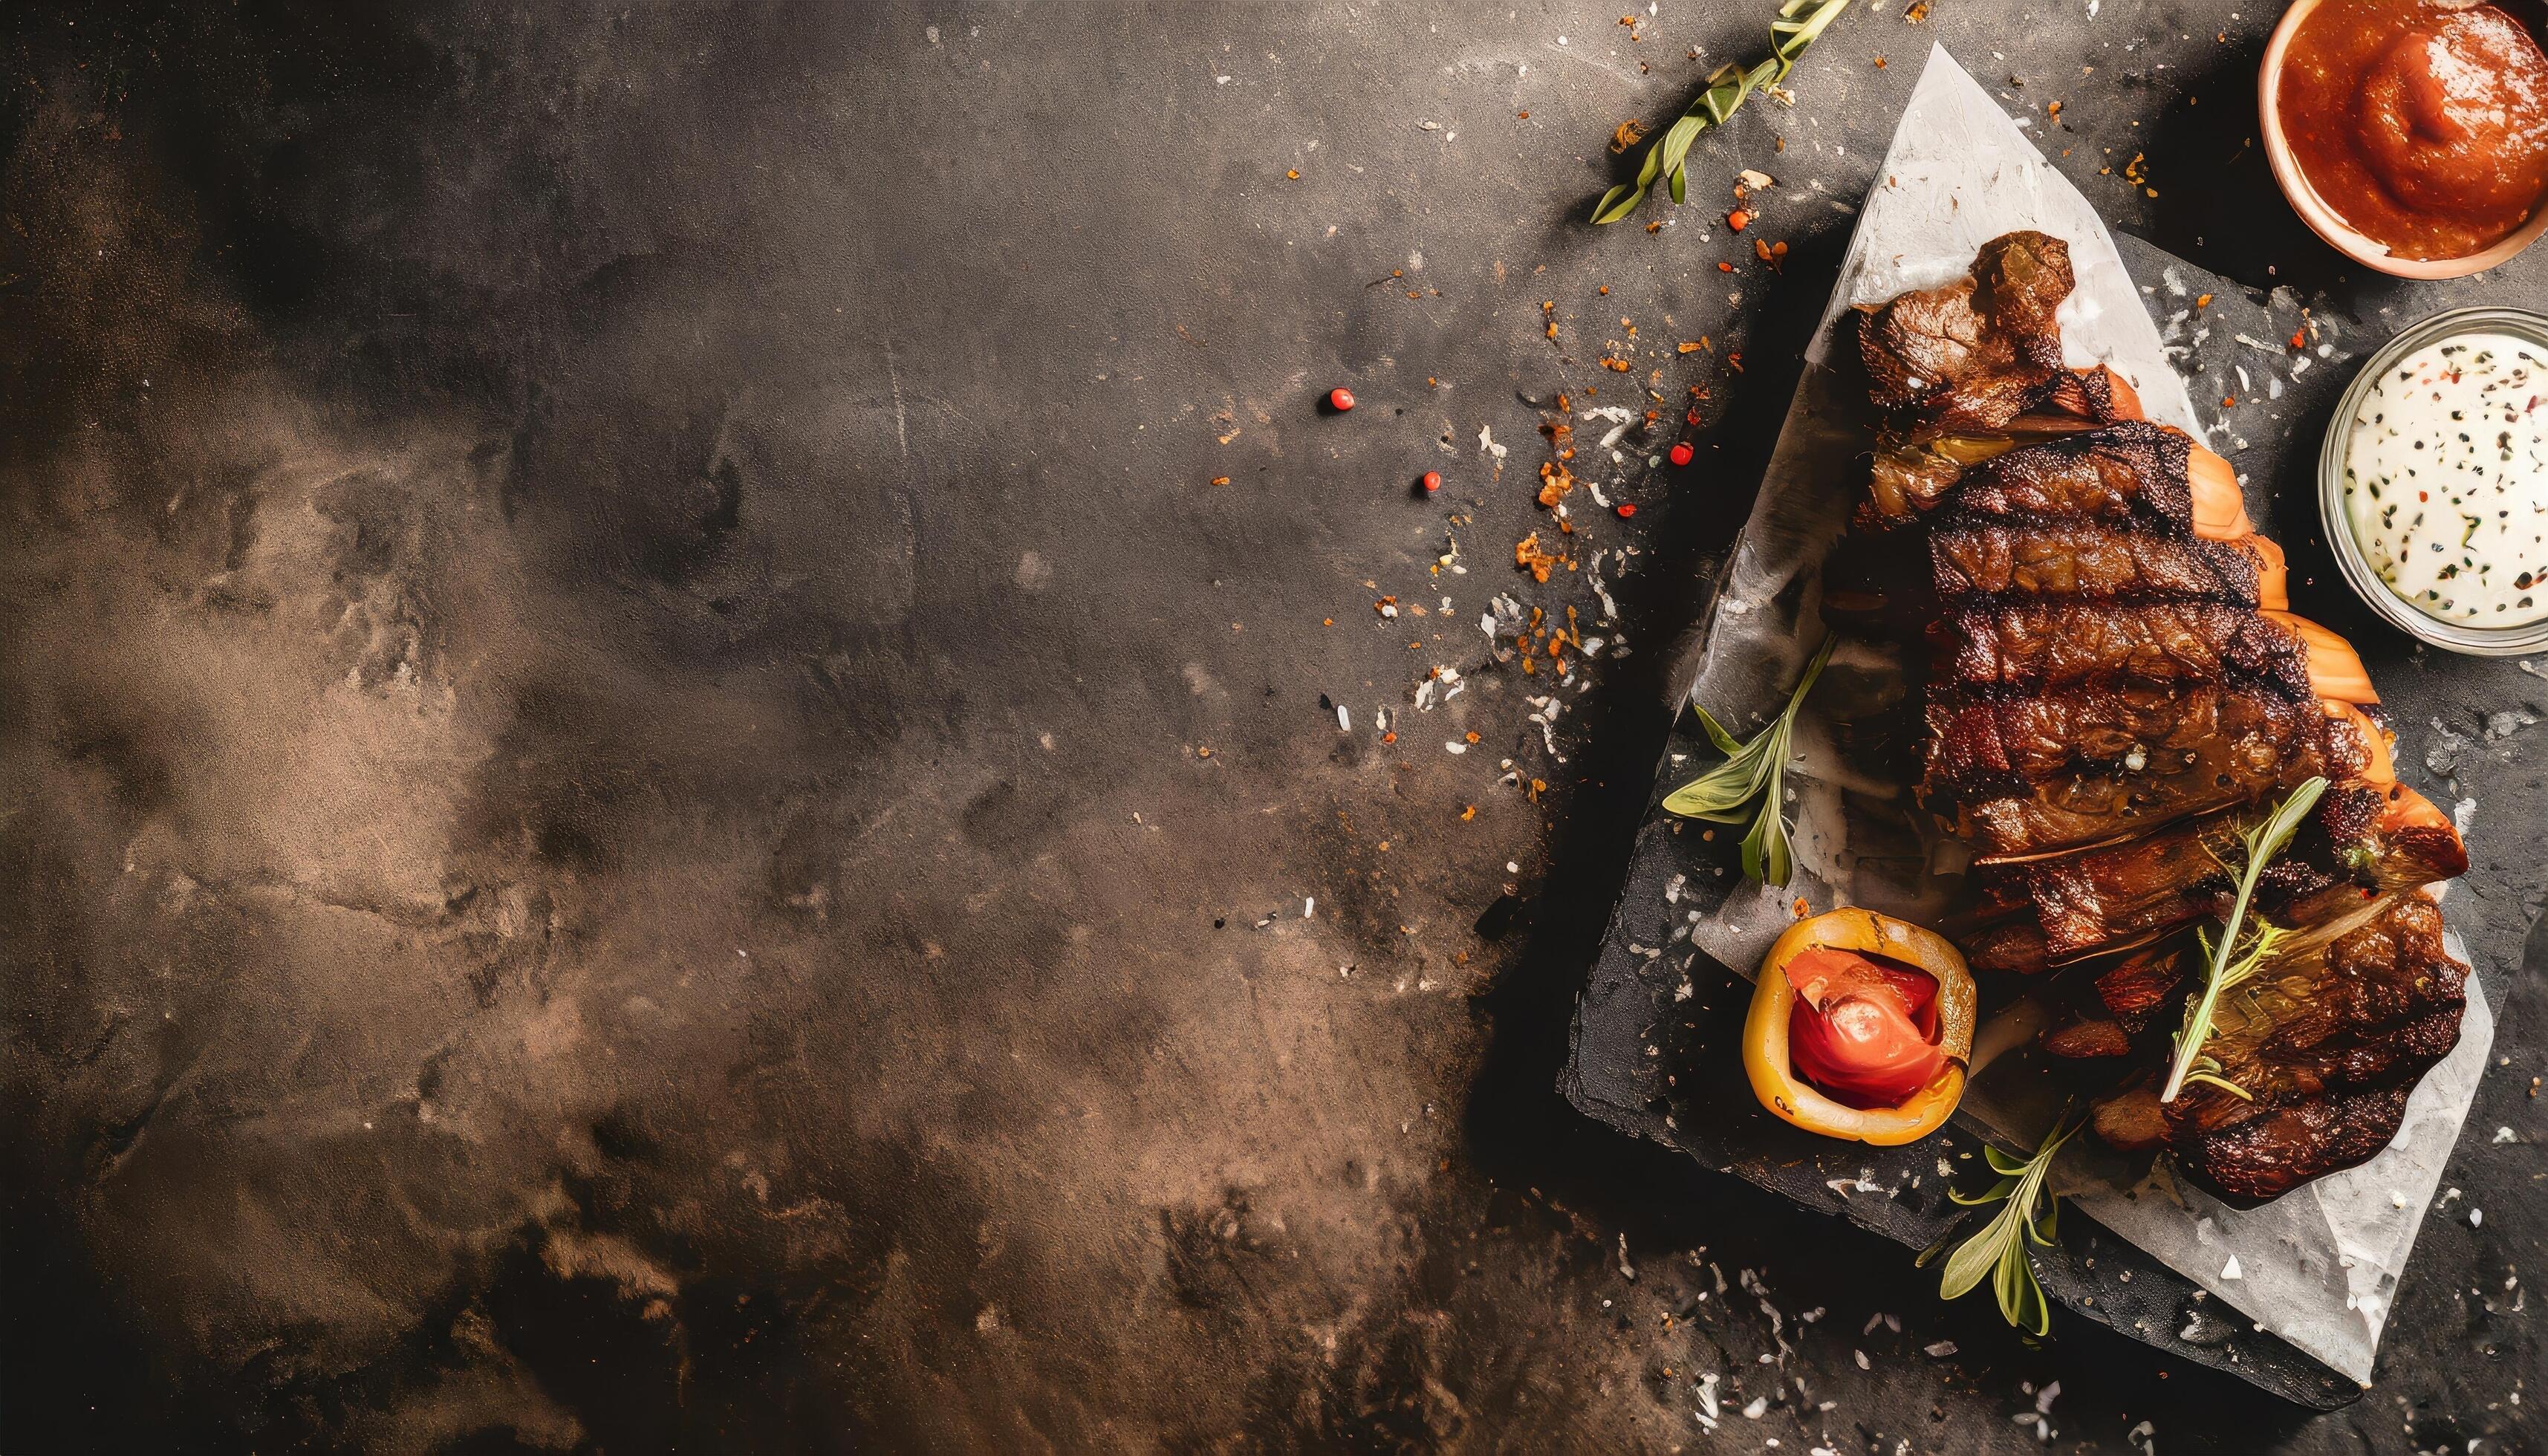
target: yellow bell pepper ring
1765 1053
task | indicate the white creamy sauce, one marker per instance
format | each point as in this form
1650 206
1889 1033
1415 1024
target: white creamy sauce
2446 480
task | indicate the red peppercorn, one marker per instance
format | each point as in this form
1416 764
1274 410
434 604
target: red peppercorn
1432 480
1626 511
1340 399
1683 454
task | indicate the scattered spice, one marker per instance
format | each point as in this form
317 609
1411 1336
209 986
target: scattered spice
1293 174
1626 509
1683 454
1432 480
1724 267
1772 253
2203 301
1220 479
1528 555
1555 479
1738 220
1340 399
1689 346
1627 135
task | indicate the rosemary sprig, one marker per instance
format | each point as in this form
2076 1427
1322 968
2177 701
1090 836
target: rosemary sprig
1751 770
1999 1250
1798 23
2234 959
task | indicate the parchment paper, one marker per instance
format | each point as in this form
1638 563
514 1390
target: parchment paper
2319 1267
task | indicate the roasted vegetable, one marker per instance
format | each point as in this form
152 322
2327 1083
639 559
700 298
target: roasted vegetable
1860 1026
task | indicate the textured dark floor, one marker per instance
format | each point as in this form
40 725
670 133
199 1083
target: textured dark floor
614 617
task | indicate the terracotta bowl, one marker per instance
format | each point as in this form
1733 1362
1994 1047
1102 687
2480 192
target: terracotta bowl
2323 219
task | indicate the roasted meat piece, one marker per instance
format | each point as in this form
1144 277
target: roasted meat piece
2117 694
2038 775
2326 1043
2133 470
2063 909
1981 747
2089 559
2049 645
1977 352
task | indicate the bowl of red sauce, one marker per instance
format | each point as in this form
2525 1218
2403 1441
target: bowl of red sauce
2412 135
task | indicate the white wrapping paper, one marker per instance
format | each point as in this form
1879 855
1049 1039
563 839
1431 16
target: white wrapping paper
2316 1267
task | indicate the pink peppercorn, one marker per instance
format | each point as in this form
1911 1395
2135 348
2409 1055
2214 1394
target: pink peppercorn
1683 454
1432 480
1340 399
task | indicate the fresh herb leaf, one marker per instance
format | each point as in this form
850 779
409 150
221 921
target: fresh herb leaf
1755 770
1999 1250
1798 23
2236 955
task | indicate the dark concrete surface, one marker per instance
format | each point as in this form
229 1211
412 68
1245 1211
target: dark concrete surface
615 615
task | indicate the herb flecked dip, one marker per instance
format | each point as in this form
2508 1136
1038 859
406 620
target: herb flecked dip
2446 480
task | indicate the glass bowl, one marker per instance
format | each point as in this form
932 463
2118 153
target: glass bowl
2397 611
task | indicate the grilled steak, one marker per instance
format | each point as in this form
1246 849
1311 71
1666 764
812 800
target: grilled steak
2326 1043
2132 470
2078 905
2086 559
2229 746
2052 644
1981 746
2117 694
1977 352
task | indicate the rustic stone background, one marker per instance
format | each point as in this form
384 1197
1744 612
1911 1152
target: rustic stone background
614 620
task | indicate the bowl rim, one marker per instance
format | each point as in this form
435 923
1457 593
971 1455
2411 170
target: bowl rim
2336 523
2323 219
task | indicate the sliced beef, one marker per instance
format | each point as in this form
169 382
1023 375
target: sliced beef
2328 1045
2132 471
2132 893
2088 560
1981 746
2232 747
1977 352
2043 646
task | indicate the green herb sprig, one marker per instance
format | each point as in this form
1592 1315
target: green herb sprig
1798 23
1999 1250
2233 958
1755 770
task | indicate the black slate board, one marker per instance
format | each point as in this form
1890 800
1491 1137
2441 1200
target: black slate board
1655 1048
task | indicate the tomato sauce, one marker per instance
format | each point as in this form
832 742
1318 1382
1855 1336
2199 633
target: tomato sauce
2423 123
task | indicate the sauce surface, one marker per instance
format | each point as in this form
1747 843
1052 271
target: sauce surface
2424 124
2446 480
